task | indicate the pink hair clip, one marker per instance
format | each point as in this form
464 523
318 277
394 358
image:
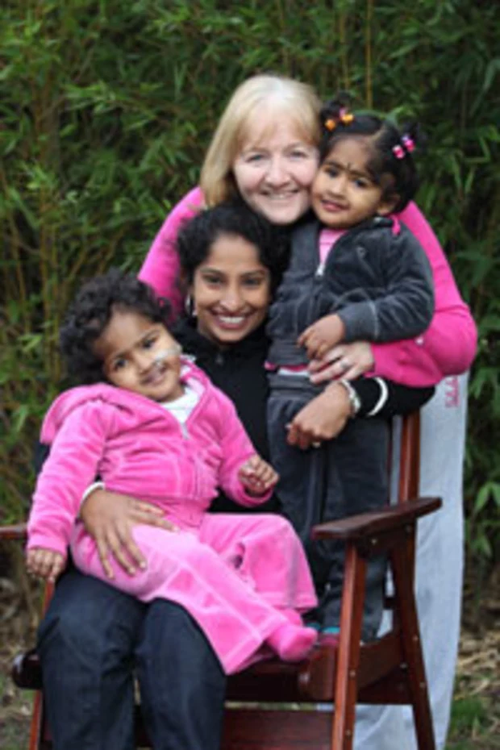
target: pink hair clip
408 143
398 152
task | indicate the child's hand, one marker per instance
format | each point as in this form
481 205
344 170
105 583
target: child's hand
45 563
257 476
321 336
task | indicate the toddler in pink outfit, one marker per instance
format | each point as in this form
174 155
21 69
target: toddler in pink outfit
152 425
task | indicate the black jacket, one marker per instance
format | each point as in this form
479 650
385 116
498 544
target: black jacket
239 371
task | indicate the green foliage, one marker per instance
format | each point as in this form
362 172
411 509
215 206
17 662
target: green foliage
473 724
107 109
469 714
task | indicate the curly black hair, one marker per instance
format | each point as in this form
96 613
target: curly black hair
390 154
232 217
90 313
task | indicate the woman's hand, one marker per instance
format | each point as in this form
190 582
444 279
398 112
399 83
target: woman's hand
45 563
321 419
109 518
257 476
348 361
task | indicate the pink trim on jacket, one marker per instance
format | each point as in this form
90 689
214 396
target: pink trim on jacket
447 347
138 448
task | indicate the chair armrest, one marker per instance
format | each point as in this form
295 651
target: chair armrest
387 519
16 531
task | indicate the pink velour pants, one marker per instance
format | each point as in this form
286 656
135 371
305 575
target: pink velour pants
241 577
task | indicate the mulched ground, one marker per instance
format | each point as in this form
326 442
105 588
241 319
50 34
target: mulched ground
476 709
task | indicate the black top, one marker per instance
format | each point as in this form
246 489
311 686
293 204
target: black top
238 371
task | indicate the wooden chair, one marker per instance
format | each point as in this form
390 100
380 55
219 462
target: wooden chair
273 705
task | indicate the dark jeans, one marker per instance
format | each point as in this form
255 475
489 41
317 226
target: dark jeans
343 477
89 642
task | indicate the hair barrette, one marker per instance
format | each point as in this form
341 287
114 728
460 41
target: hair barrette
408 143
343 117
398 151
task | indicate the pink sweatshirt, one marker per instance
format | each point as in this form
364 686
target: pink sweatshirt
446 348
138 448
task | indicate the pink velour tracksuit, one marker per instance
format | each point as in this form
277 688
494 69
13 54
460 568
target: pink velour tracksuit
446 348
241 577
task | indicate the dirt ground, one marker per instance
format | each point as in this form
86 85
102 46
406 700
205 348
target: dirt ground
476 709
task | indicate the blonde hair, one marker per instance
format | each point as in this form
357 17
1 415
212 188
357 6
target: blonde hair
296 99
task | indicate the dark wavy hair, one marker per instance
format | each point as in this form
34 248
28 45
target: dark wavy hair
390 154
232 217
90 313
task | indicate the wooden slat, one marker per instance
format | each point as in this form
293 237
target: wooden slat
14 532
277 730
376 522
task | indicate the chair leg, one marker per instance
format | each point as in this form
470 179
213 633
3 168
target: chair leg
36 740
351 621
413 650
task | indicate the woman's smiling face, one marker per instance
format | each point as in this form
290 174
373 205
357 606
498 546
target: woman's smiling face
275 168
231 290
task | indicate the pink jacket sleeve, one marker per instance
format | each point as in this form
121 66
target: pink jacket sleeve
449 344
67 472
161 266
236 449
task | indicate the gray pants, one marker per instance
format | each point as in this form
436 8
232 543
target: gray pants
440 558
343 477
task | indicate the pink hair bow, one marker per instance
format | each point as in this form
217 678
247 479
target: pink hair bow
408 143
406 147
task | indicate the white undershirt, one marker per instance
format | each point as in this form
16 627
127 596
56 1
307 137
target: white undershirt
181 407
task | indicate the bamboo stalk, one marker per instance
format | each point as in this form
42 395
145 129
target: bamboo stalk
343 51
15 245
282 24
368 54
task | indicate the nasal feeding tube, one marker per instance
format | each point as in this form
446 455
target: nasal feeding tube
172 351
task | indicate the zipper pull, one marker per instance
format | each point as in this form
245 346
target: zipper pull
320 270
